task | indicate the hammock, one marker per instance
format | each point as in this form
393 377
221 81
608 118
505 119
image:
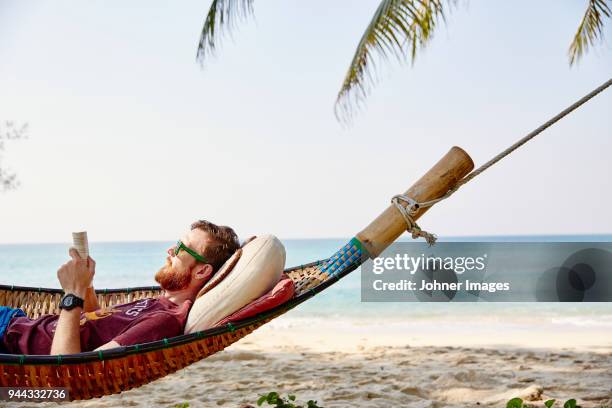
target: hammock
98 373
95 374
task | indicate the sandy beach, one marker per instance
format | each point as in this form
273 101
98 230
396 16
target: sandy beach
367 366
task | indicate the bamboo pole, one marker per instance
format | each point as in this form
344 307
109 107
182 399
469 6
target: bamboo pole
390 224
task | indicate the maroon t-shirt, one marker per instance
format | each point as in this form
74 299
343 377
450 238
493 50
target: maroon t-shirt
131 323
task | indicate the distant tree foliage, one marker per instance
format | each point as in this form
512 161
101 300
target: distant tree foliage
9 131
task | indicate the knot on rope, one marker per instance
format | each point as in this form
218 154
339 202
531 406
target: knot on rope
408 212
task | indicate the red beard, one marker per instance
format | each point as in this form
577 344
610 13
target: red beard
171 279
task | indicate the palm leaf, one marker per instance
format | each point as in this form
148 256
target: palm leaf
223 15
590 29
399 28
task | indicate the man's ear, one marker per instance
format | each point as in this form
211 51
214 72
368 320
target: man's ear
203 272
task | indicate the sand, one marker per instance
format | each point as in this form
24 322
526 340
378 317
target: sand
392 366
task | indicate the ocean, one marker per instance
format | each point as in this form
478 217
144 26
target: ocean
129 264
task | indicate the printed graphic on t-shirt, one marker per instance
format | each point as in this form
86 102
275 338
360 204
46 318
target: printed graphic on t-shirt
133 311
97 315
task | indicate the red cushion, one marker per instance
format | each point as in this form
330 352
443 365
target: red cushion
282 292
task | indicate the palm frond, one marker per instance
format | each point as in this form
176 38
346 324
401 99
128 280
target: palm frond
223 15
590 29
399 28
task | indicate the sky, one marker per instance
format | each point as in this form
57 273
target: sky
131 139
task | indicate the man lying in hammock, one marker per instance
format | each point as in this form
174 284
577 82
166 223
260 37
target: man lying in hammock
83 326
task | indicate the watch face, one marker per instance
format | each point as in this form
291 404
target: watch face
70 301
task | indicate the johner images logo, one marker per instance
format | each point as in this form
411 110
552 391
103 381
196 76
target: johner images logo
491 272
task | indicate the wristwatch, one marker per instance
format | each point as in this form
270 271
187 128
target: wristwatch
70 301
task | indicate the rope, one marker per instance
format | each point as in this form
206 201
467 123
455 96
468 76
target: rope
409 211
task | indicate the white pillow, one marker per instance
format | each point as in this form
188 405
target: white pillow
259 268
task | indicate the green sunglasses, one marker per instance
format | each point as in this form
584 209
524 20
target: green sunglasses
180 245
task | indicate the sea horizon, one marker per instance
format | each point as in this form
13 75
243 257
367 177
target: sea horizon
134 263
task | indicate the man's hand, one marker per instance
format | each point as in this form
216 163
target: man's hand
76 275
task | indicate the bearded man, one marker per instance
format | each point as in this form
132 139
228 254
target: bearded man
83 326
